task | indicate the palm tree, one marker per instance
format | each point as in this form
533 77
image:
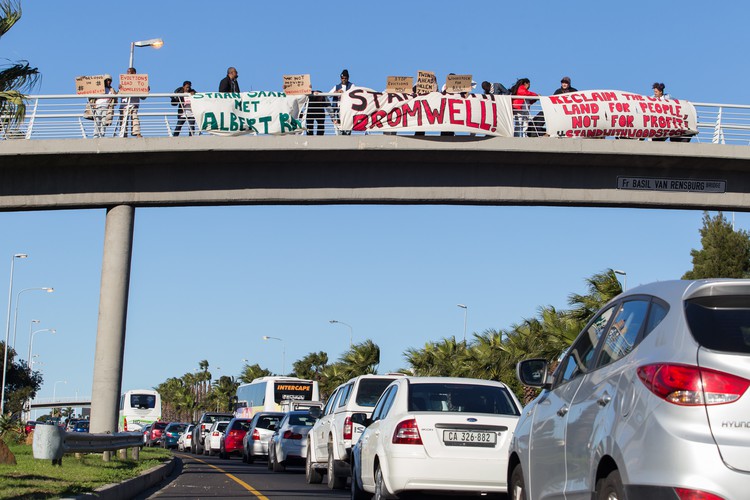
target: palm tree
15 78
222 392
251 372
361 359
601 288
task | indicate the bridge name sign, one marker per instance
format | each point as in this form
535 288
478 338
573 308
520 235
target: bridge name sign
662 184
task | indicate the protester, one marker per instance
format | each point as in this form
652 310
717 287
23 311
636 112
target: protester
659 91
184 109
129 113
494 88
340 88
104 108
521 106
316 112
229 82
565 87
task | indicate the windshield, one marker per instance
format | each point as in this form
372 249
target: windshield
370 390
462 398
143 401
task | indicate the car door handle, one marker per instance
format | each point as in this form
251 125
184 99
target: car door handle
604 400
562 411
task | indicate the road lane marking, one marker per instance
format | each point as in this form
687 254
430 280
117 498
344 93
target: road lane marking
234 478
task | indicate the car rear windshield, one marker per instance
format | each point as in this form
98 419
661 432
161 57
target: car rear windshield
210 419
178 428
241 425
370 390
463 398
720 323
302 419
221 426
266 422
161 425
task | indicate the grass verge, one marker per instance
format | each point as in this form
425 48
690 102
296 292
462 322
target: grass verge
32 479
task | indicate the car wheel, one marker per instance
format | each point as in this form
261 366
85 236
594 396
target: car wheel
357 492
334 482
312 475
381 492
269 462
244 456
610 487
277 467
516 487
250 458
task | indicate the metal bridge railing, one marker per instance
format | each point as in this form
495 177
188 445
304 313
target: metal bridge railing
62 117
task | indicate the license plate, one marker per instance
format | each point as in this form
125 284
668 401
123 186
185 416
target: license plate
470 438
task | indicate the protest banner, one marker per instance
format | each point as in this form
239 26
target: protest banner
457 83
257 112
613 113
399 84
367 110
297 85
137 83
86 85
426 82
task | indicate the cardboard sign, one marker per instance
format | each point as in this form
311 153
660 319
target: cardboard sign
458 83
426 82
137 83
297 85
90 85
399 84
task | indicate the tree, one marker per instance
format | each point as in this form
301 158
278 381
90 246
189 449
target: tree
251 372
16 77
311 366
602 288
725 252
222 392
21 384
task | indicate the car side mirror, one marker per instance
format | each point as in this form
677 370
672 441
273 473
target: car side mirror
361 419
533 373
316 412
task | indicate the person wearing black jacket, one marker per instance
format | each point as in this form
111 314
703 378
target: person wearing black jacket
565 87
229 83
184 113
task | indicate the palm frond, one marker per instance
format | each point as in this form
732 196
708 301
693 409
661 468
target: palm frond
18 76
10 13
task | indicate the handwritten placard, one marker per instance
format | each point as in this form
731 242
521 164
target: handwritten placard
297 84
458 83
426 82
90 85
137 83
399 84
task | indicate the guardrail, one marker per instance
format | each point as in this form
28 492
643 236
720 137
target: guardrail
62 117
52 442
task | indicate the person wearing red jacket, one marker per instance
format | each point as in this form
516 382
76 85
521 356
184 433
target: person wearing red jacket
521 106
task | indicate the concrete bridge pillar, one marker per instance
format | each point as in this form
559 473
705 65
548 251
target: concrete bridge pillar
113 311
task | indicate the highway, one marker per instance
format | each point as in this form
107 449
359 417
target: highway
211 477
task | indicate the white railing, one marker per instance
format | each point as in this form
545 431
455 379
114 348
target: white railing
62 117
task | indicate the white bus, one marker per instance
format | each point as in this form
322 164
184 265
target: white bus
268 394
139 408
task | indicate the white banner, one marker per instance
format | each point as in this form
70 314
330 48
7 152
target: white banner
367 110
602 113
248 112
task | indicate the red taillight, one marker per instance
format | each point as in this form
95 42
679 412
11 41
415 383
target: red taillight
347 428
686 494
256 435
691 385
407 432
291 435
216 433
235 434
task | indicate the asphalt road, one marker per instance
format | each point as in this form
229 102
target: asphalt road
202 477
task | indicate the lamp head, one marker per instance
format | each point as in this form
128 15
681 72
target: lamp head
156 43
462 306
48 289
20 256
333 321
266 337
619 271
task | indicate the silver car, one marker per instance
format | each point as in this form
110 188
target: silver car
648 403
255 441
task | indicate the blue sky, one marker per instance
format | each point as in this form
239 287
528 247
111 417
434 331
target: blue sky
209 282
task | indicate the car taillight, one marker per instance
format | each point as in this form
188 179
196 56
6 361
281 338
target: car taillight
686 494
256 435
407 432
234 434
692 385
215 433
291 435
347 428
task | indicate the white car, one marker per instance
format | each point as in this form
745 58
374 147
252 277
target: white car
288 444
186 439
212 441
332 437
435 434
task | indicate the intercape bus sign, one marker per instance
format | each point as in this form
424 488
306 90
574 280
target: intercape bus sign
284 391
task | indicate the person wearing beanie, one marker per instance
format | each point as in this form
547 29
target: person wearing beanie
340 88
565 86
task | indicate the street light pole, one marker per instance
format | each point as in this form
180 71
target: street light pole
156 43
54 389
31 337
18 299
283 350
351 330
624 278
466 314
7 329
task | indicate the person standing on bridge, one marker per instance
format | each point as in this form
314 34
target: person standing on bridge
521 106
184 108
339 88
104 108
129 113
565 87
229 82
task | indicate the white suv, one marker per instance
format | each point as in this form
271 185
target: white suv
330 441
